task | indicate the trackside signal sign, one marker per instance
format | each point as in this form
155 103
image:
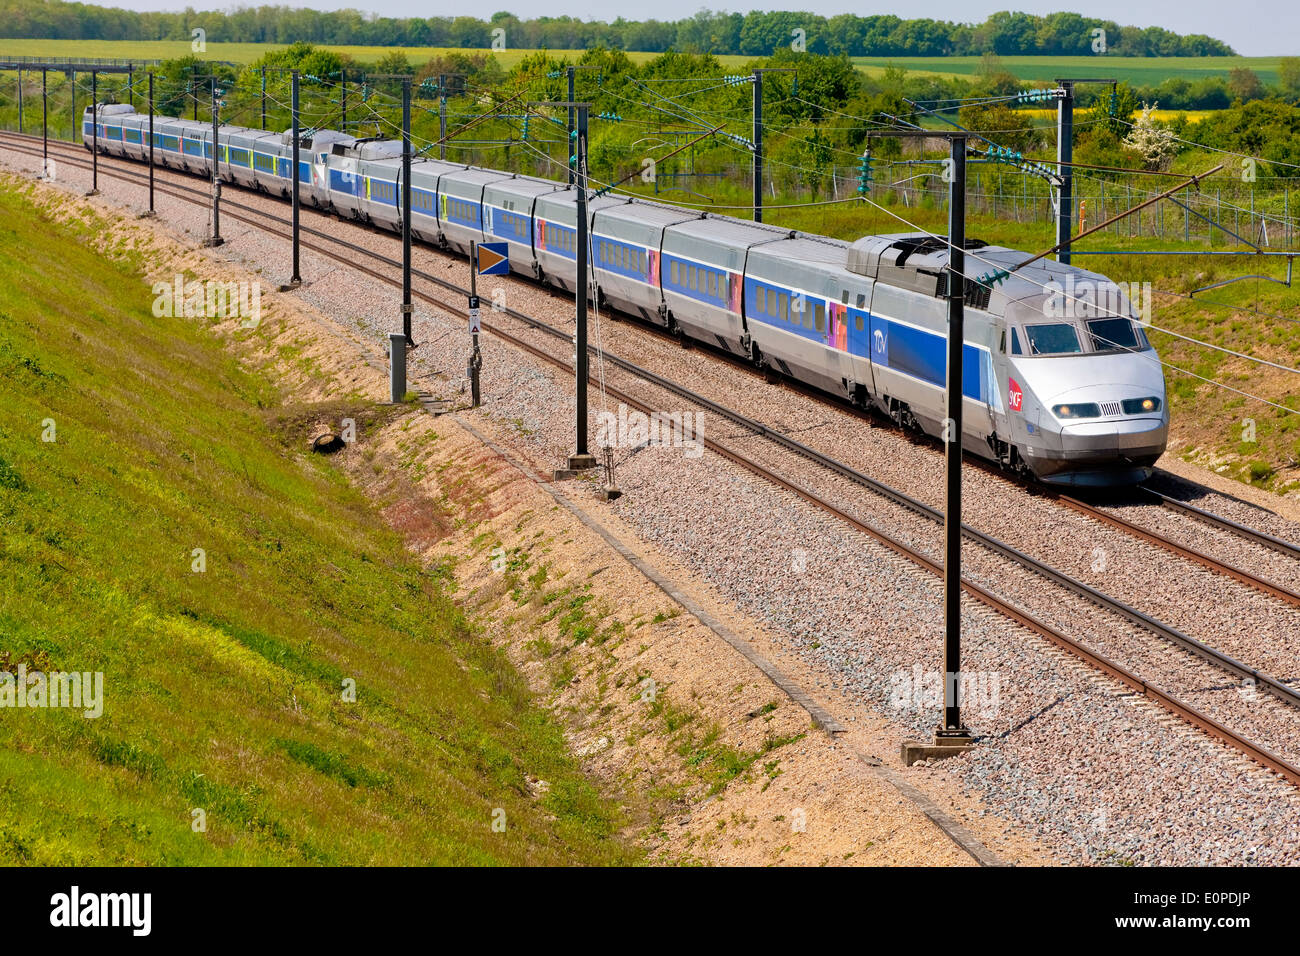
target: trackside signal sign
493 259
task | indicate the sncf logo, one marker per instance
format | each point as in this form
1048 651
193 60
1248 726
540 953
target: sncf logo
1017 396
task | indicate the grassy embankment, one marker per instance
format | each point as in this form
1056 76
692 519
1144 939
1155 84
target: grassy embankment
224 689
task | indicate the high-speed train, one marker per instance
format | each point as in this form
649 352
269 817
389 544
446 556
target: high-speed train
1060 381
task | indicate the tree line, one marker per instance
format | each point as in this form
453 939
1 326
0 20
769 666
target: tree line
814 126
750 34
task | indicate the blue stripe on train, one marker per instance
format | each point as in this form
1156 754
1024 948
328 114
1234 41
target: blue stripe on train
924 355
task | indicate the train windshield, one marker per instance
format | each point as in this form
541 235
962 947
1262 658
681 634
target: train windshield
1053 338
1115 334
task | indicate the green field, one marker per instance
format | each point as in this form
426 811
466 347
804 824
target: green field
1139 71
1136 70
222 690
248 52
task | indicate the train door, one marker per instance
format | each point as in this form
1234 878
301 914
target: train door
1000 385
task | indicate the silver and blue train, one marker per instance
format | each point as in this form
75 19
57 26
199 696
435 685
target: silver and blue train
1060 380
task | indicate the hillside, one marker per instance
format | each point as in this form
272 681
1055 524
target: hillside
128 441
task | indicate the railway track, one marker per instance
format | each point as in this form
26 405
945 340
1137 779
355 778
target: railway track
351 252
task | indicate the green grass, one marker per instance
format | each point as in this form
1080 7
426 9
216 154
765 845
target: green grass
223 689
1137 70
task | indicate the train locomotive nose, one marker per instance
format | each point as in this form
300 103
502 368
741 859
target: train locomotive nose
1125 438
1097 453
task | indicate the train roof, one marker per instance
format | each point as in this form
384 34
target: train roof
650 213
813 250
371 147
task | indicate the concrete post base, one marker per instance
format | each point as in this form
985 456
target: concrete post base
577 463
938 749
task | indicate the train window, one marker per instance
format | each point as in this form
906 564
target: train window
844 297
857 322
1113 334
713 282
641 260
807 313
760 299
784 308
820 313
862 301
673 270
772 306
1053 338
1015 343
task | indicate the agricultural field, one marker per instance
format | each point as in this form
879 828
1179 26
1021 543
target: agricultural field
242 53
1138 71
1135 70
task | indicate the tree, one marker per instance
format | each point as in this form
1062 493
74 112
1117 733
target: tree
1006 127
394 62
1288 74
1152 141
1245 84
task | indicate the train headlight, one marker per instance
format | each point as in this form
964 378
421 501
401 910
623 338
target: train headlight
1140 406
1079 410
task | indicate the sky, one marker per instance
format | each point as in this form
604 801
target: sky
1258 28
